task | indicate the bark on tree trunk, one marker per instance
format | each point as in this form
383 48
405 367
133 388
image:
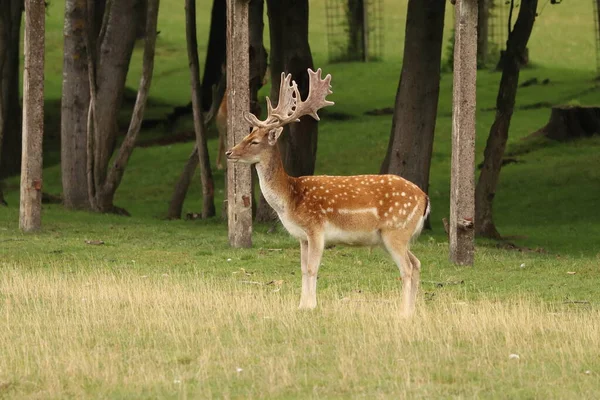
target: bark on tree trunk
30 218
505 103
215 54
10 127
208 185
464 87
239 182
290 53
74 108
413 126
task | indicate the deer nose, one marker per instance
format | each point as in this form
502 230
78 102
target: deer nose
228 153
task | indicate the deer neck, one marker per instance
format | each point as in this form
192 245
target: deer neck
274 181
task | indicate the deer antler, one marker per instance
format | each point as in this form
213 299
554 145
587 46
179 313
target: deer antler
290 106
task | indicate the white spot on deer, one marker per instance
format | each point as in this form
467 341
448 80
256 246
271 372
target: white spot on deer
355 211
387 195
330 209
403 194
390 209
409 203
406 205
323 211
385 214
380 202
395 218
396 204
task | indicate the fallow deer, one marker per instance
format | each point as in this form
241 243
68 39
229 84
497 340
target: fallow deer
364 210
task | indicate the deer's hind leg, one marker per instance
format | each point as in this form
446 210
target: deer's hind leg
396 243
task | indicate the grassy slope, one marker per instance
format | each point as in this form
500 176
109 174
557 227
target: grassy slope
550 197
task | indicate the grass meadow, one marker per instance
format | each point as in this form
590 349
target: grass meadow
165 309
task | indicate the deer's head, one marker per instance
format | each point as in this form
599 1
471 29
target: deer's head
289 109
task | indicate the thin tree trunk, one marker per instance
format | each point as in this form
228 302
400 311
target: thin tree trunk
290 53
107 69
483 16
182 186
74 108
114 49
413 126
30 218
257 52
208 185
117 170
505 103
215 54
10 127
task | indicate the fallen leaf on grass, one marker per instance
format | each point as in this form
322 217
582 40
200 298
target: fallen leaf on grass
94 242
571 272
513 357
243 271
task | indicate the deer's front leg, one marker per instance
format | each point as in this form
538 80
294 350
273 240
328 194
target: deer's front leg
311 253
304 266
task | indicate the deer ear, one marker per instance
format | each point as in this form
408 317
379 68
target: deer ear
274 135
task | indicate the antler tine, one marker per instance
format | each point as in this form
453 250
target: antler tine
319 89
252 120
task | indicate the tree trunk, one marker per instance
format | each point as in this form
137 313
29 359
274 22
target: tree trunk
10 127
257 53
106 195
572 122
355 17
182 186
483 16
30 218
239 176
505 103
464 109
290 53
413 127
74 108
215 54
258 69
114 56
208 185
107 70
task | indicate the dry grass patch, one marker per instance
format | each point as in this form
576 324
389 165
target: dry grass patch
123 335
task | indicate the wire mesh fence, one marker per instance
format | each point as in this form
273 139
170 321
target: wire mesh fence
354 30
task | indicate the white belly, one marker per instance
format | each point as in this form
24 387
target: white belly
335 235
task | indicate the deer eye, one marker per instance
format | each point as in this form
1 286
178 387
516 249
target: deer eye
255 142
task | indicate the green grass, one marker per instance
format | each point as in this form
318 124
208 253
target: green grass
165 309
